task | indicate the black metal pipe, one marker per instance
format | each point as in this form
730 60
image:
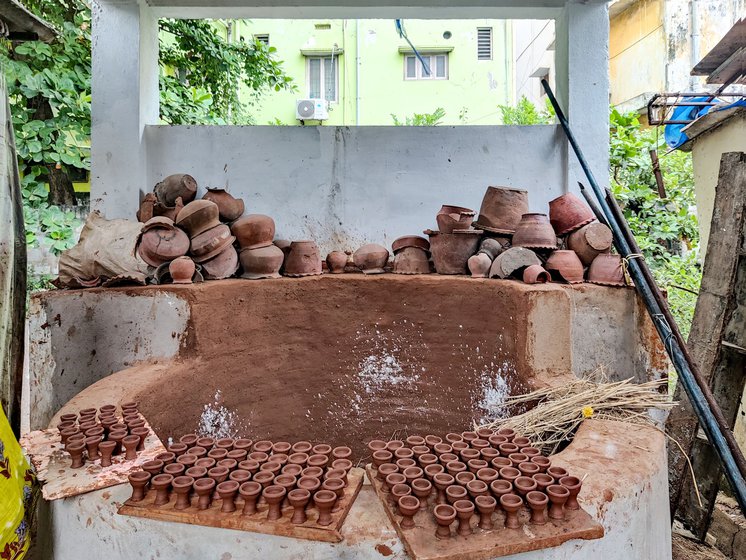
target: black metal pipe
693 389
592 204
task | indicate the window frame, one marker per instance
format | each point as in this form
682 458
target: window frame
418 68
492 43
322 77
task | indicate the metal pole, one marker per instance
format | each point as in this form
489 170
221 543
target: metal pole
693 389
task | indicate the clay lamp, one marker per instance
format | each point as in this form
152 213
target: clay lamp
511 504
336 262
336 485
281 458
227 444
318 460
313 472
403 453
130 445
161 483
464 512
175 469
86 412
412 473
89 425
459 446
399 490
408 507
557 473
130 405
250 492
373 445
292 470
405 463
440 448
305 446
480 444
476 464
485 433
324 501
69 417
237 454
441 481
298 459
178 449
206 442
153 467
543 462
392 479
264 478
509 474
394 444
445 515
182 485
299 499
487 475
507 448
217 454
342 464
464 478
281 447
427 459
455 467
227 491
524 485
528 469
141 433
371 258
249 465
95 431
446 458
231 464
204 488
243 443
573 484
66 424
196 472
521 441
381 456
420 450
119 427
108 422
258 456
508 433
288 483
469 454
422 488
517 458
558 496
537 503
432 440
206 462
496 439
477 488
413 441
568 213
188 460
220 474
500 487
77 436
486 506
530 451
489 453
75 449
135 424
263 446
432 470
138 480
455 493
66 433
308 483
543 480
106 448
337 473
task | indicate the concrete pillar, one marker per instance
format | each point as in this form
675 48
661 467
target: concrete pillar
124 100
582 78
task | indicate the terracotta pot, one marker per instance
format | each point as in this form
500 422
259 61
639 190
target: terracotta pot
501 210
336 262
181 270
324 501
535 274
451 251
283 244
162 244
422 488
254 231
408 506
223 265
534 232
147 204
410 241
455 493
573 484
371 258
250 493
227 491
589 241
479 265
229 208
486 506
138 480
491 247
565 265
445 515
198 216
169 212
451 218
209 243
568 213
464 511
106 448
500 488
528 469
537 503
511 504
442 481
264 262
298 499
204 488
130 444
182 486
606 269
76 449
543 462
524 485
161 483
303 259
176 186
411 260
558 496
513 261
142 432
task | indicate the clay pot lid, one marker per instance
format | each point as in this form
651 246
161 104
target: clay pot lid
198 216
410 241
158 222
211 242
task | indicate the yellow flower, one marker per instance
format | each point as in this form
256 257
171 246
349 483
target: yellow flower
587 411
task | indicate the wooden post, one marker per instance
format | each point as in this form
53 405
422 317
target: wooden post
717 334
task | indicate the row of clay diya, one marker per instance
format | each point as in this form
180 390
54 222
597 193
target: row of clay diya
286 477
424 474
88 438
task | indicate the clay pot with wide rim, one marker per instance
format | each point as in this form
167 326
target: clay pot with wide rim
451 251
565 265
371 258
181 270
452 218
324 501
229 208
336 262
534 232
210 243
303 259
410 241
223 265
568 213
411 260
479 265
535 274
253 231
264 262
501 210
198 216
589 241
486 505
161 243
606 269
179 185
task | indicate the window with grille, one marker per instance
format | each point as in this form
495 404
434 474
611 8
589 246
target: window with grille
484 43
262 38
322 77
435 67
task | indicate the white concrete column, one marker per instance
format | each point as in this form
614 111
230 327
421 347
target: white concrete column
582 78
124 100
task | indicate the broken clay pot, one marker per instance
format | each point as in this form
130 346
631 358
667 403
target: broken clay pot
513 261
371 258
589 241
229 208
479 265
501 210
209 243
410 241
451 218
491 247
303 259
264 262
336 262
161 244
411 260
254 231
451 251
223 265
565 265
198 216
534 232
568 213
170 212
175 186
535 274
145 212
181 270
606 269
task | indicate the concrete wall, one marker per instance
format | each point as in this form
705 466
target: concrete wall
532 49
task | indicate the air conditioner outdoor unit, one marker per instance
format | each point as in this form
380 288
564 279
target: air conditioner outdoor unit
311 110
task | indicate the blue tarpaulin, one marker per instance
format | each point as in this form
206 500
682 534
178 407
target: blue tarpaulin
675 136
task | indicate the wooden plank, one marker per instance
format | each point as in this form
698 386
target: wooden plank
730 43
421 544
718 316
52 464
732 68
256 523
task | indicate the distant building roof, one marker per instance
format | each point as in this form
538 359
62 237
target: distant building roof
21 25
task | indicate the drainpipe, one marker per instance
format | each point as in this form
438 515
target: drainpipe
357 72
694 13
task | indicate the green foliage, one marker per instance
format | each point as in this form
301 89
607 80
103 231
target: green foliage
526 113
421 119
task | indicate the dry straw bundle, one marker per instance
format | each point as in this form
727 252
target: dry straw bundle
560 410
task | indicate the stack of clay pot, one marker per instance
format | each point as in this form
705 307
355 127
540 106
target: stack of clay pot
161 241
493 476
260 257
168 197
239 477
411 255
455 240
211 242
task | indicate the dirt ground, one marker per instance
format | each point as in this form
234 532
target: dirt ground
686 549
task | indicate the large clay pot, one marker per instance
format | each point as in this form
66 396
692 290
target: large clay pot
411 260
590 241
181 270
513 261
371 258
198 216
176 186
162 244
336 262
230 208
410 241
264 262
210 243
303 259
450 218
568 213
501 210
607 269
565 265
254 231
223 265
451 251
534 232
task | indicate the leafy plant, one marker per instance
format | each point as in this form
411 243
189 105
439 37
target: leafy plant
421 119
526 113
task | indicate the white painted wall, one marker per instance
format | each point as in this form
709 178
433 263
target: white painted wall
532 39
